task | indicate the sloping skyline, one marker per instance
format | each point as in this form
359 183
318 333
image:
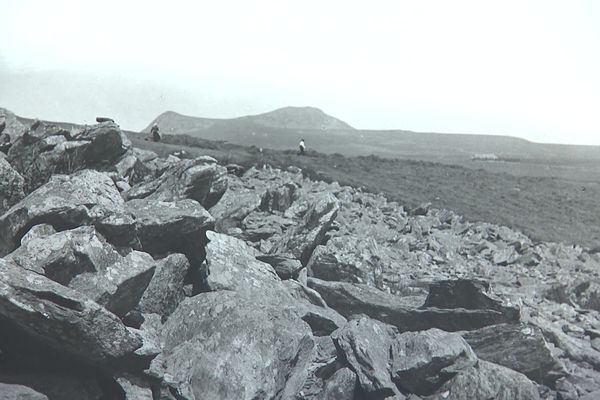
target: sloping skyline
518 68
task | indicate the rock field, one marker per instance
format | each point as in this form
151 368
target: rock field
128 276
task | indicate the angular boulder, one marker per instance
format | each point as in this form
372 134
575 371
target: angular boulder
165 291
19 392
11 186
171 227
366 346
224 345
65 202
521 348
488 381
61 319
423 361
82 260
301 240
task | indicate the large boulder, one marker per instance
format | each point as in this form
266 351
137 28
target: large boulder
235 205
341 386
302 240
349 299
48 149
366 345
224 345
171 227
42 311
65 202
166 289
200 179
82 260
488 381
11 186
519 347
423 361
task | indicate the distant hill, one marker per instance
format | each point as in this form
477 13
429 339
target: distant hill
294 118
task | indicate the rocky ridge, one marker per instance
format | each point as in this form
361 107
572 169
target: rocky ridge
128 276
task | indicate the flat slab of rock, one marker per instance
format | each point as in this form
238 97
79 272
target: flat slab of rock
62 319
171 226
349 299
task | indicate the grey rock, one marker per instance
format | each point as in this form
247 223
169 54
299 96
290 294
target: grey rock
36 232
219 344
488 381
286 266
341 386
19 392
349 299
11 186
366 346
61 318
64 202
165 291
423 361
521 348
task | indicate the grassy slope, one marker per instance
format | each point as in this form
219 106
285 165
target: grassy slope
546 208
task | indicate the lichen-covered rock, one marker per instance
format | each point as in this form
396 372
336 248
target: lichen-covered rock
11 186
66 201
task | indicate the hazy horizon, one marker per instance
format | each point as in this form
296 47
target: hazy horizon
526 69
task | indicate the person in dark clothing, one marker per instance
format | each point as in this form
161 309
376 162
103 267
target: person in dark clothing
154 132
302 146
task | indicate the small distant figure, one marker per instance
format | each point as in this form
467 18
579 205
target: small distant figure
154 132
302 146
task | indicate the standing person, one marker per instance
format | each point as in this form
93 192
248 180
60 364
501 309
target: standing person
302 146
154 132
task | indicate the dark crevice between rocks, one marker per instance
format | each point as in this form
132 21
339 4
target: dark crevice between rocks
56 299
24 361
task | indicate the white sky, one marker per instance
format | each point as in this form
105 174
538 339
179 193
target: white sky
522 68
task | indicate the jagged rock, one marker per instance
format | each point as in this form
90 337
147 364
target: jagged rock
232 265
341 386
351 259
349 299
225 345
575 349
259 226
65 202
171 227
366 346
518 347
235 205
48 149
11 186
165 290
421 209
423 361
278 198
60 318
201 179
133 389
286 266
131 170
488 381
302 239
119 226
469 294
82 260
36 232
19 392
12 125
235 169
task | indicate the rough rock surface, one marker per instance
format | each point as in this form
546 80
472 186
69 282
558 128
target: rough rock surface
82 260
65 202
11 186
222 345
19 392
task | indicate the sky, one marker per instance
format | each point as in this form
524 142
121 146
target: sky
522 68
